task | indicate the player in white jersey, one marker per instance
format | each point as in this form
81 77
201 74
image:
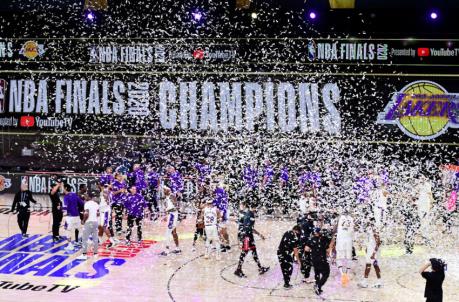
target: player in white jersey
307 203
105 215
344 240
425 198
211 217
372 256
379 198
172 219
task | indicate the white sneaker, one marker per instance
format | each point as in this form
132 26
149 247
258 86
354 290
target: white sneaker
206 256
112 241
378 284
116 240
70 247
362 284
82 257
193 249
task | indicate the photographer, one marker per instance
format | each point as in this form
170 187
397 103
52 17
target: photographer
21 206
434 279
56 206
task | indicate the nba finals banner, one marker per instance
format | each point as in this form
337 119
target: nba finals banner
379 91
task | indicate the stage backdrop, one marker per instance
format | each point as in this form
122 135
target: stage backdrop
346 89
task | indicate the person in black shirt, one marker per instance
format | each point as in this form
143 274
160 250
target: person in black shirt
306 224
319 246
245 235
434 280
56 208
21 206
287 248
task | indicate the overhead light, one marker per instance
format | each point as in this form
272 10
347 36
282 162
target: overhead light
254 15
197 15
433 15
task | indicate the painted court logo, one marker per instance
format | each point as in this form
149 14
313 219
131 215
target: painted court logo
422 110
39 255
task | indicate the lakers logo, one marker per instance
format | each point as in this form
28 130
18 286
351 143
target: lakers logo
422 110
31 50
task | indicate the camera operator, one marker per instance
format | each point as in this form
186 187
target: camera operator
434 279
56 206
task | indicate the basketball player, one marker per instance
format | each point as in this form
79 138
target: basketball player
90 220
344 240
307 203
118 190
200 204
379 205
72 221
135 205
211 217
104 217
153 179
245 234
106 178
172 219
221 202
137 178
425 199
372 255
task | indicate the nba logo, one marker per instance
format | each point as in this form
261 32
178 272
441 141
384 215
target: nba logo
2 95
311 51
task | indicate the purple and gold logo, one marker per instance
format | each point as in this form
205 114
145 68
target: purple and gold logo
423 110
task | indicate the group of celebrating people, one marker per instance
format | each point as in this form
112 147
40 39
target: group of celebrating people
324 231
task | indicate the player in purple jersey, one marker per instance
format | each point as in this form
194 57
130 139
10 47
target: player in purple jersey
106 179
137 178
175 182
204 171
118 191
153 181
135 205
250 176
267 186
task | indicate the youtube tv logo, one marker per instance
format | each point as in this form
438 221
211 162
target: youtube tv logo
198 54
27 121
423 52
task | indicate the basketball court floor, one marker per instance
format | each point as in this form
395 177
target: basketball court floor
35 269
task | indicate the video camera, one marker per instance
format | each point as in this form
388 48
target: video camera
57 179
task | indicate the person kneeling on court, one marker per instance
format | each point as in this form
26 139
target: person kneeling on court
288 246
90 225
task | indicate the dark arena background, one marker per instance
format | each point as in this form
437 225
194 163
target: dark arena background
223 113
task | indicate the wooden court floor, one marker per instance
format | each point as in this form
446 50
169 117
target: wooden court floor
35 269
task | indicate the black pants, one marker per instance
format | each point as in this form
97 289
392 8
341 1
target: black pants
152 200
305 258
57 219
23 220
286 264
118 210
130 223
199 232
321 273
